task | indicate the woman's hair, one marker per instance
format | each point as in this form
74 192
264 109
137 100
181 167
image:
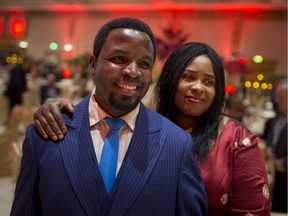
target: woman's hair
207 128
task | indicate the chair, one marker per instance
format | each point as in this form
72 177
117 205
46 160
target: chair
6 148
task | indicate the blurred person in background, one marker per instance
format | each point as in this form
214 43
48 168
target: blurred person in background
191 93
235 107
276 147
49 90
17 82
81 90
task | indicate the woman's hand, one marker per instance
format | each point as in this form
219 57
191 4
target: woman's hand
48 119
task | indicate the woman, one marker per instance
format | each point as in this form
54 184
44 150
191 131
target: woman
190 92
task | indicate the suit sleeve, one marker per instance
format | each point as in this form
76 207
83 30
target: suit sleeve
26 200
192 199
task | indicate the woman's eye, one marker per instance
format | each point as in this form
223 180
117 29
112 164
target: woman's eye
210 82
187 77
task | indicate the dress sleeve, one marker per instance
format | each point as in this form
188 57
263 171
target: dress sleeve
249 189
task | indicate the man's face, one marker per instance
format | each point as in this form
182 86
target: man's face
123 70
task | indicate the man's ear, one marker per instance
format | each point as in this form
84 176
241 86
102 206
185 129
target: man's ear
92 63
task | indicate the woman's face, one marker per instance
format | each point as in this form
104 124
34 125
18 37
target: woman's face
196 88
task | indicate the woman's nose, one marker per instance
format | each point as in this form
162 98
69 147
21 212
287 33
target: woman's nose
197 86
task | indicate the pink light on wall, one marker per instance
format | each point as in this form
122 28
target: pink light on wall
166 7
1 25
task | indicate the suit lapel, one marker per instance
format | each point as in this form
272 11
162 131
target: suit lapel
140 159
80 161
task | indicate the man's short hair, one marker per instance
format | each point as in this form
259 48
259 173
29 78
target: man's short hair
124 22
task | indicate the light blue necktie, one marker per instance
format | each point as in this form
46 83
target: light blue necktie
109 156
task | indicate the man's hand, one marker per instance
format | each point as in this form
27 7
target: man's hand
48 119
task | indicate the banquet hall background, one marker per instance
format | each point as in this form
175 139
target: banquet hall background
250 36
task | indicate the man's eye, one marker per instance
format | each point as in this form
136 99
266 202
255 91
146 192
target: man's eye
145 65
118 59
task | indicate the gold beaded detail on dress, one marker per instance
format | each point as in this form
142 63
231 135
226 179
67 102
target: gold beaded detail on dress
265 191
224 199
246 142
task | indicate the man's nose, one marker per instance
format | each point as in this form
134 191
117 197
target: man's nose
132 70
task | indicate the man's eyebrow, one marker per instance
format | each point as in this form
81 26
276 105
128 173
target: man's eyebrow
117 50
150 58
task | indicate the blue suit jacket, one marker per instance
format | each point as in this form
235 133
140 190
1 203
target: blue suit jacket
159 175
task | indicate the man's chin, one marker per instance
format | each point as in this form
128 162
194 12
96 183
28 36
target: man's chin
124 105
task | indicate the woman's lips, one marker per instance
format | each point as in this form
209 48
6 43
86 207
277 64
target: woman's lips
195 99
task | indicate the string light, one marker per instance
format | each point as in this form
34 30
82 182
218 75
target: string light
248 84
68 47
23 44
53 46
260 77
256 85
258 59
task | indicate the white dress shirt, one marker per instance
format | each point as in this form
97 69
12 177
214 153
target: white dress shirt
99 129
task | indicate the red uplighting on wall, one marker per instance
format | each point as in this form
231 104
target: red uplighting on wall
168 7
1 25
17 26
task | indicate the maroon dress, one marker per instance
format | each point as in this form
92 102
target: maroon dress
234 174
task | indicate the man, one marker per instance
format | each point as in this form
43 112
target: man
276 141
50 89
156 172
